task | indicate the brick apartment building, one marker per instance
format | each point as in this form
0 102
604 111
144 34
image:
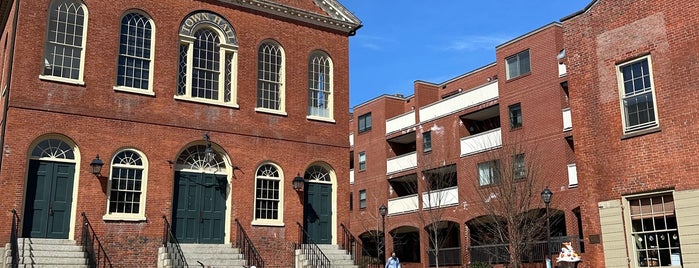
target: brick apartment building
202 112
633 68
440 150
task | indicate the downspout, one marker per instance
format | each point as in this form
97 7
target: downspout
6 107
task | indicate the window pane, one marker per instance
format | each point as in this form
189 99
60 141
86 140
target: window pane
205 65
269 71
126 183
134 51
267 196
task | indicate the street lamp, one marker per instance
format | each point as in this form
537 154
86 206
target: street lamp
546 195
383 211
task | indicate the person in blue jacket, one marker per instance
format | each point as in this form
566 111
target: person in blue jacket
393 261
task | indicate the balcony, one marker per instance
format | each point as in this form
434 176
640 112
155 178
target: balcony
401 163
400 122
459 102
572 176
351 139
562 70
481 142
351 176
440 198
403 204
567 121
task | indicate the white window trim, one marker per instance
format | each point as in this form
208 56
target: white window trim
149 91
331 83
507 66
225 49
270 111
141 216
620 80
81 73
282 81
279 222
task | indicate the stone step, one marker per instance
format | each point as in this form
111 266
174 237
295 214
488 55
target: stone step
39 252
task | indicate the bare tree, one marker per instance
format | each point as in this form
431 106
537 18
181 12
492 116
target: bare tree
508 190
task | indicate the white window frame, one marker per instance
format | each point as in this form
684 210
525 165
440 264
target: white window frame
49 64
266 66
279 221
623 96
361 157
517 59
151 60
325 82
632 235
120 216
225 49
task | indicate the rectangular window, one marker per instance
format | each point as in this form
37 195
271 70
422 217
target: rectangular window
362 198
427 141
489 173
351 201
364 122
515 116
518 64
362 161
519 169
654 231
637 96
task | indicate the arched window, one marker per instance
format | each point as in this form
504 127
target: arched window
127 185
317 174
320 86
65 41
135 70
270 77
207 60
268 195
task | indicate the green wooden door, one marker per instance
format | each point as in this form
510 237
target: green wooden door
49 199
199 208
317 214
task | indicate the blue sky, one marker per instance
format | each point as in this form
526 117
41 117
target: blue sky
407 40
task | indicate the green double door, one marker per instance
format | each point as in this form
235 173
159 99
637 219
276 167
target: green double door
49 199
317 214
199 207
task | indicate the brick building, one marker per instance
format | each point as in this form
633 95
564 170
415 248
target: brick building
202 112
435 157
633 69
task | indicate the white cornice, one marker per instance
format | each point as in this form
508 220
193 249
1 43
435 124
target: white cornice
340 19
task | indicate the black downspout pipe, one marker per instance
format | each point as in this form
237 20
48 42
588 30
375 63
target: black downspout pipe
6 108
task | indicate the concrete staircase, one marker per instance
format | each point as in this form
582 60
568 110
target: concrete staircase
339 258
38 253
208 255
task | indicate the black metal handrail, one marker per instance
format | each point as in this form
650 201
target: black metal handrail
243 242
315 256
14 235
96 259
170 242
355 248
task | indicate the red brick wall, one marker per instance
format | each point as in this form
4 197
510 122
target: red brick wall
101 121
610 33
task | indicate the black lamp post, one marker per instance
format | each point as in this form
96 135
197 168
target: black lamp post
383 210
546 195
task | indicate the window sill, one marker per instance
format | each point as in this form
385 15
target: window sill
518 77
62 80
641 132
134 90
270 111
207 101
267 223
515 128
123 217
318 118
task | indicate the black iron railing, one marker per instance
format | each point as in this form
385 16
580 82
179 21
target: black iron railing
96 255
172 246
534 252
309 249
447 256
14 235
243 242
359 254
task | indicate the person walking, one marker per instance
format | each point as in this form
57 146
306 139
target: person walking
393 261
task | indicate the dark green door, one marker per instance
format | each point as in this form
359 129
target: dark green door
317 215
199 208
49 198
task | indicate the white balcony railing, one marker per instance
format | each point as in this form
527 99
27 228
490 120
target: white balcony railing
572 175
562 70
403 204
459 102
351 139
401 162
440 198
481 142
400 122
351 176
567 121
